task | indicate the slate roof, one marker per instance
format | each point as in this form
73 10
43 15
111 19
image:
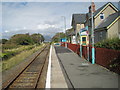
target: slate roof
78 18
105 23
98 10
71 33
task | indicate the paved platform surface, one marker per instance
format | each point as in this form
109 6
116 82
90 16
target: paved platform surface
57 77
82 74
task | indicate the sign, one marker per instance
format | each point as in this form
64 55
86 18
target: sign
86 27
63 40
73 40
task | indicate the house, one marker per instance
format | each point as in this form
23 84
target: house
108 28
71 36
77 24
99 16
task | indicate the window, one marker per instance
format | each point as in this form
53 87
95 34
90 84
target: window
102 16
84 39
100 35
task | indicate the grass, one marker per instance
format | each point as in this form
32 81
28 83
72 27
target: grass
21 48
8 53
7 64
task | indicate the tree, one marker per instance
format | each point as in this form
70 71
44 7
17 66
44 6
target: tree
3 41
21 39
58 36
25 39
37 38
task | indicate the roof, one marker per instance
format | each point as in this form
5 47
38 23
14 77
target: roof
71 33
84 33
102 8
109 20
68 31
83 29
78 18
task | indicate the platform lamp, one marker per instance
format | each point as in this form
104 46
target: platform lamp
65 30
80 43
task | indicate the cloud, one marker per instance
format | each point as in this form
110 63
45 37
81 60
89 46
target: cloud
39 17
60 0
6 31
46 32
46 26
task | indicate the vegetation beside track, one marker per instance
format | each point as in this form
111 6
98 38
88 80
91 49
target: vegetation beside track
7 64
8 53
18 48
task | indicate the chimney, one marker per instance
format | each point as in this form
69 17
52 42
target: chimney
93 7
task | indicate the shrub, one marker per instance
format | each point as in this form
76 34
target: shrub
3 41
21 39
8 55
115 65
109 43
9 46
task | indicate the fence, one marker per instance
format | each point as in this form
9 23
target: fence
104 57
108 58
74 47
63 44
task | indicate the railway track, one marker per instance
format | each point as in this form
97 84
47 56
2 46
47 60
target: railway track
33 75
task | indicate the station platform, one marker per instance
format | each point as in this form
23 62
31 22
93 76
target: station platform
71 71
57 77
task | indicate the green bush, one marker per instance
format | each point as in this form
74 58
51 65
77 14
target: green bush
114 65
9 46
3 41
109 43
8 53
21 39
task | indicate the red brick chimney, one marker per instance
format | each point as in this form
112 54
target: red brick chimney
93 7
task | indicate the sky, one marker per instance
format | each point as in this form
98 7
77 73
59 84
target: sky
40 17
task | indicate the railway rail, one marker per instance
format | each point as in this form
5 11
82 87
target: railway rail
33 75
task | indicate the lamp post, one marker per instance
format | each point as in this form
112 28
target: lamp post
87 43
80 43
93 48
59 38
65 30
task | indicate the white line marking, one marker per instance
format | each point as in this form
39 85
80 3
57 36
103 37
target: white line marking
48 80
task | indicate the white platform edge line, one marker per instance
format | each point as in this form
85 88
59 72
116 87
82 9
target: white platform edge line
48 80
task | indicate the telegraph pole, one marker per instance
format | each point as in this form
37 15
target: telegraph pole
93 48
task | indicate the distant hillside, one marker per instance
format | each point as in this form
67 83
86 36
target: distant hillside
47 38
